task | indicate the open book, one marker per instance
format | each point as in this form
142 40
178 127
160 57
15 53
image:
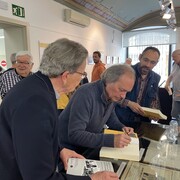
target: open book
86 167
130 152
156 113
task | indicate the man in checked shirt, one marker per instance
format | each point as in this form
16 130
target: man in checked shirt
144 92
22 68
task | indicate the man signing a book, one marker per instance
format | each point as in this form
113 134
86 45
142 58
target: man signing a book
91 107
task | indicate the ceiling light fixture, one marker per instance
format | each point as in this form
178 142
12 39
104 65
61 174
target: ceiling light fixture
165 4
168 12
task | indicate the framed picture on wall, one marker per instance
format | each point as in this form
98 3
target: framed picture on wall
115 60
108 60
90 60
42 47
119 59
103 57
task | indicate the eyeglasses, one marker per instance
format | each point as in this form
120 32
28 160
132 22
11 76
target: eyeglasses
83 75
25 63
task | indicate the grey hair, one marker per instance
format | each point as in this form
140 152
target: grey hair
177 51
113 73
23 53
62 55
13 58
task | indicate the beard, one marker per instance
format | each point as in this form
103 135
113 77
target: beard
144 70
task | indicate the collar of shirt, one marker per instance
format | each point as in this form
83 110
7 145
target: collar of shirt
104 95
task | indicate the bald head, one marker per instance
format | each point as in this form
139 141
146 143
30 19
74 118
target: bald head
176 56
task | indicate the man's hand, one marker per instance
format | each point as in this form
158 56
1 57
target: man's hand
121 140
104 175
128 130
135 107
65 154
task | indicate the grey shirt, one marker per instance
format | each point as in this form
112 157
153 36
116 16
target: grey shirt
176 82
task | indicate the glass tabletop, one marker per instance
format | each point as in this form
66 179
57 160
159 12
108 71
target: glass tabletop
160 161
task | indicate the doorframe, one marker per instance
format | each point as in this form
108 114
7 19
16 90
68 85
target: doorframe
6 22
24 25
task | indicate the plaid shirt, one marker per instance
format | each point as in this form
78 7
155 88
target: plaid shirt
7 80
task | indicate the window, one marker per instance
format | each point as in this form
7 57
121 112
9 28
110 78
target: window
164 40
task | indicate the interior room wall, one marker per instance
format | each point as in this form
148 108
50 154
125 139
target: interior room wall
46 24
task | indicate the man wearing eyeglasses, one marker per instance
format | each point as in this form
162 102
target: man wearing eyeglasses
22 69
144 92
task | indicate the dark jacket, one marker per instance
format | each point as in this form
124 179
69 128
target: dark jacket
28 132
125 114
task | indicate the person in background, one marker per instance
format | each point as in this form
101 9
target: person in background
84 80
175 78
13 62
91 108
28 116
1 70
98 68
144 92
13 59
128 61
23 67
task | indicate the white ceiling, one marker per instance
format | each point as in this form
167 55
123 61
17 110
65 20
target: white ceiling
123 14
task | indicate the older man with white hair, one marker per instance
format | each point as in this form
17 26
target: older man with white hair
23 67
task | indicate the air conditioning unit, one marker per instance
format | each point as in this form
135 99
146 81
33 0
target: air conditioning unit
76 18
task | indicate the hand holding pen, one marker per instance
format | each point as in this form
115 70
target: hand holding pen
128 130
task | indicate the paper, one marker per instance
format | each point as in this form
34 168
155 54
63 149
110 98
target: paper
135 170
163 154
130 152
86 167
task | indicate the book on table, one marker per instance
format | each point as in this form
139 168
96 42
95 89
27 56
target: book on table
130 152
154 113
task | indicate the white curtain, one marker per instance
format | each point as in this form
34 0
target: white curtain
149 37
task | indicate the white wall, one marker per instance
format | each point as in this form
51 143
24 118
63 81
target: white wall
45 19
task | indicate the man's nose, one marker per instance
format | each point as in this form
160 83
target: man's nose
123 94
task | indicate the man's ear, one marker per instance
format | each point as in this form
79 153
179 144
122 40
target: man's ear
65 76
140 56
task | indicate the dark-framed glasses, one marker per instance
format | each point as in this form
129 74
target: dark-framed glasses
83 75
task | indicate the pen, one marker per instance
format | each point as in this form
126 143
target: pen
125 132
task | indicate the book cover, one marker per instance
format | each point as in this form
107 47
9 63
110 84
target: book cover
154 113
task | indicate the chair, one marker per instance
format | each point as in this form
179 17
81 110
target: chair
165 104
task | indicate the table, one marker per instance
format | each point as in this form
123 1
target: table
160 161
